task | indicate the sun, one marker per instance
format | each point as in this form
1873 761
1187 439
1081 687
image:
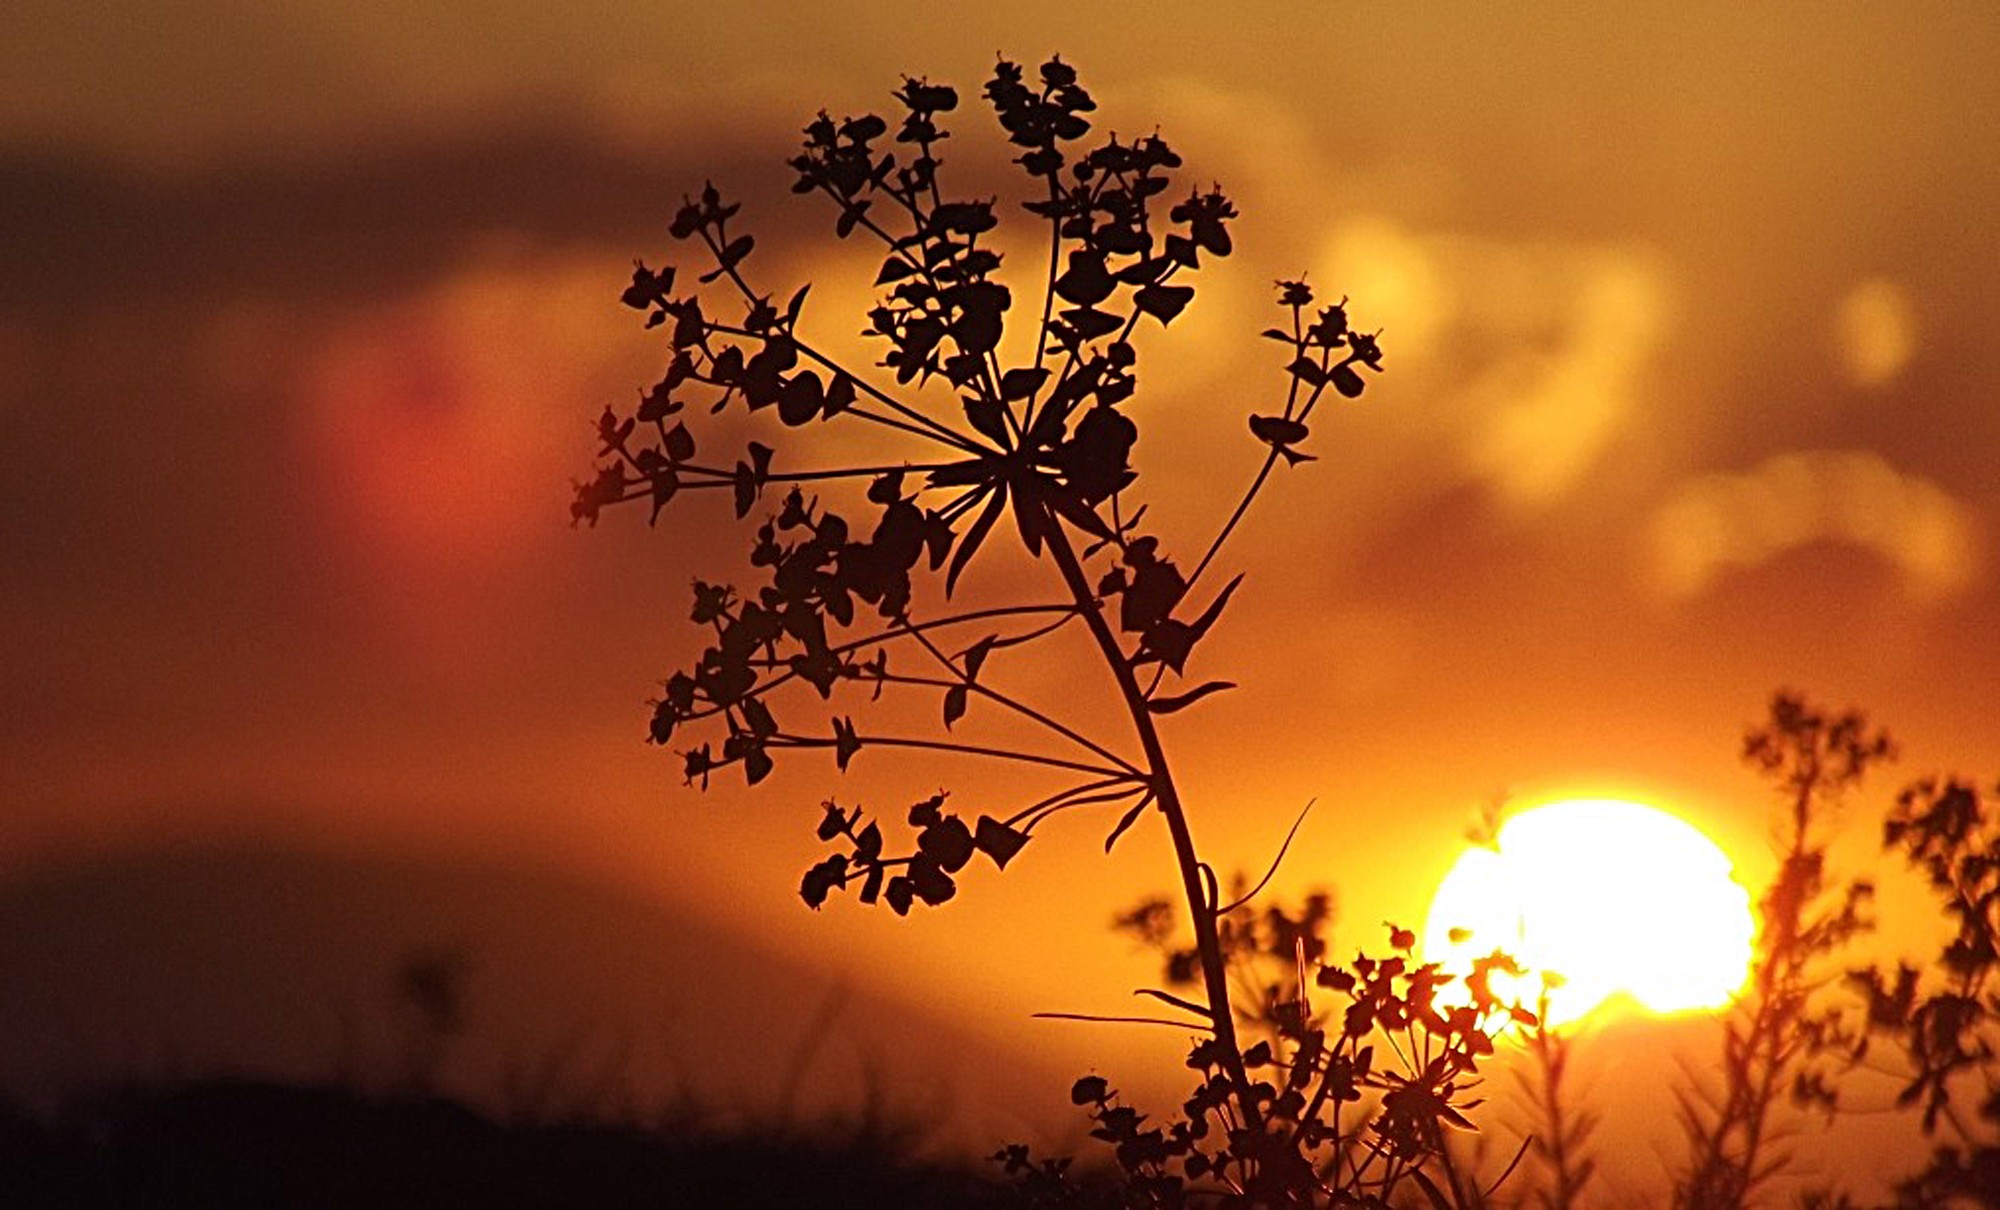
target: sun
1609 896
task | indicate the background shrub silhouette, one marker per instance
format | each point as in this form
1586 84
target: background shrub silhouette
1782 1037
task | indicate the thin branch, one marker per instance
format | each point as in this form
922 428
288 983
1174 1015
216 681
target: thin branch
938 430
1091 800
923 265
1275 861
1048 291
1174 1000
1193 1025
1059 800
1023 708
1242 507
1509 1171
957 619
936 745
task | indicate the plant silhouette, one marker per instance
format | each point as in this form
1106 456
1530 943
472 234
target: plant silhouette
1559 1129
1946 1026
1781 1036
1263 950
858 587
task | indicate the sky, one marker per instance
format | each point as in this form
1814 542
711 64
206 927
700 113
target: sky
306 310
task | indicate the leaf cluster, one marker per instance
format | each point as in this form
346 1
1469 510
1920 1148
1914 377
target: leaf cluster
1264 948
944 845
1947 1028
1785 1040
1370 1069
1047 443
1040 434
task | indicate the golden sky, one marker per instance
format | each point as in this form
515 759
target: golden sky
1692 333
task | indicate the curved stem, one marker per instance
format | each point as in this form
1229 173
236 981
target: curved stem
1229 527
1215 974
1031 814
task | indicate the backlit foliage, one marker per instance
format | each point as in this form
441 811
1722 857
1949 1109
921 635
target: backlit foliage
1944 1021
1365 1067
1783 1037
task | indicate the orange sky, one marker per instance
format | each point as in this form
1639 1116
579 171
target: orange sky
305 310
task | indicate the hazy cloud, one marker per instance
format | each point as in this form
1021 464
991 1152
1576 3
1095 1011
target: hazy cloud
1544 346
1723 521
88 236
1875 329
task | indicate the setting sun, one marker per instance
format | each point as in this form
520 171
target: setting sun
1612 897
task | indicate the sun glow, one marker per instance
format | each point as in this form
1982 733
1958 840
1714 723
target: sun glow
1612 897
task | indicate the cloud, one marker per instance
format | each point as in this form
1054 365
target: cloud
93 237
1542 347
1717 522
1552 412
1876 330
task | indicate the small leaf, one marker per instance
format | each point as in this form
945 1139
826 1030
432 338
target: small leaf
1028 516
1086 283
928 812
802 399
949 843
1163 302
998 841
868 844
1079 514
975 656
679 444
974 536
845 743
1430 1188
1346 381
1306 370
792 307
1168 705
1130 817
989 416
1214 610
894 269
931 883
839 394
954 705
1278 431
1019 384
1091 323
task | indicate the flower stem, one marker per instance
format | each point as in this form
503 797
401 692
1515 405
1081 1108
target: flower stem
1214 971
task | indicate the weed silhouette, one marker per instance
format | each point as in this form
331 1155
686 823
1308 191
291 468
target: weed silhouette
1781 1037
1946 1025
1045 445
1560 1130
